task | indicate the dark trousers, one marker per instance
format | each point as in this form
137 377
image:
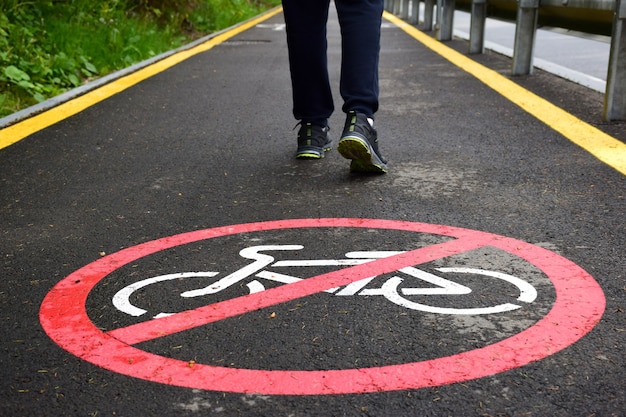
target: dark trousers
360 22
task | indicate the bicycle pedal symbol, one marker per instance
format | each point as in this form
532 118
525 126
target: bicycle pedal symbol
257 270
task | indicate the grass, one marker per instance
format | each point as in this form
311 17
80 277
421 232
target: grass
48 47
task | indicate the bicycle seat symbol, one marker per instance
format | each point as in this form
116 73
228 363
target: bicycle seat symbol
257 271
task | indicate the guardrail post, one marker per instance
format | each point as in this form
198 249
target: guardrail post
389 5
414 15
405 10
429 14
525 29
445 19
615 96
477 27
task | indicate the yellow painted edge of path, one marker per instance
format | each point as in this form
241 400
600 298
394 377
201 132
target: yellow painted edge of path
606 148
19 131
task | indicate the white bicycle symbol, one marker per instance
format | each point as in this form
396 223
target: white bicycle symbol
389 290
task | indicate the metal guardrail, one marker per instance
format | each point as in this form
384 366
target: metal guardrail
590 16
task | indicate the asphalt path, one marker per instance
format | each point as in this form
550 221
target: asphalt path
164 253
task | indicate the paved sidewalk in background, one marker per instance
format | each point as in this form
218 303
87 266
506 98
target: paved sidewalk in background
580 58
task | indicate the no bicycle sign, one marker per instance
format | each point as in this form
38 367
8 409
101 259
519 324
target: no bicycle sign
426 261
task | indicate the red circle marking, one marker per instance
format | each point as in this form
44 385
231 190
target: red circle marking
578 307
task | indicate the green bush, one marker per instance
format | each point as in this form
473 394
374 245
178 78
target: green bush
49 47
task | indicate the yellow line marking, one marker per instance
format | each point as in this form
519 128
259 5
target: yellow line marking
19 131
606 148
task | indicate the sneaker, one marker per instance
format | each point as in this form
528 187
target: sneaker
313 141
359 142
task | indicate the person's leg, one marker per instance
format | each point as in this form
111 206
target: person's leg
360 22
306 38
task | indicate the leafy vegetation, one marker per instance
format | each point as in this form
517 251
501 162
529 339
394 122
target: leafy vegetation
48 47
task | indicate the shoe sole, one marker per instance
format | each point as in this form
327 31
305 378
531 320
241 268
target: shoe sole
313 152
363 157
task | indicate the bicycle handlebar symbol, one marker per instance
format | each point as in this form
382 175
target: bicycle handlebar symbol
390 289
